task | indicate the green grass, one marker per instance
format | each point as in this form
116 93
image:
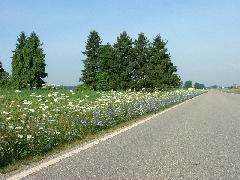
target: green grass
35 124
235 90
63 148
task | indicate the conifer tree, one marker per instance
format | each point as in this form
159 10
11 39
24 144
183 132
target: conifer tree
128 64
18 64
161 70
1 68
34 61
140 60
4 77
123 59
91 62
105 76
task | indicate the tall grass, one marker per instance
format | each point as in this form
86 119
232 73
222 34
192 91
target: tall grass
34 122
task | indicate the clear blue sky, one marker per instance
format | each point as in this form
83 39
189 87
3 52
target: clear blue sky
203 36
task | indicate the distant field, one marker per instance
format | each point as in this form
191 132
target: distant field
34 122
236 91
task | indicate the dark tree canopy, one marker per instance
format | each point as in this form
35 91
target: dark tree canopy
199 86
34 58
91 62
4 77
1 68
28 62
128 64
187 84
106 76
18 63
140 60
123 57
161 71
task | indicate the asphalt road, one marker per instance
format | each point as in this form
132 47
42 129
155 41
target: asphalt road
200 139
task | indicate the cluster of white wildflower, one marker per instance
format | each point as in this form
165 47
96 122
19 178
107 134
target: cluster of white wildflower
41 120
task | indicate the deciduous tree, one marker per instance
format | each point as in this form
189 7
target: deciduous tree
187 84
199 86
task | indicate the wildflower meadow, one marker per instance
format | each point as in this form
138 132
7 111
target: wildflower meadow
34 122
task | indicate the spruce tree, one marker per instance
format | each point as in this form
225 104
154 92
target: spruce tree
105 77
140 61
19 71
34 61
123 59
91 62
4 77
1 68
162 72
128 64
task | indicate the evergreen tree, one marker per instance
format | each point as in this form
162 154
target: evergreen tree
128 64
105 76
34 61
187 84
140 60
91 62
161 71
18 64
1 68
4 77
122 60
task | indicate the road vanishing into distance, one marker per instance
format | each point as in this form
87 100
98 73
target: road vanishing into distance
199 139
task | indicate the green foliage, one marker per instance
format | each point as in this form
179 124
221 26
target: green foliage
83 88
1 68
123 58
34 59
187 84
141 55
33 122
91 62
4 78
106 75
161 71
128 64
199 86
19 69
28 62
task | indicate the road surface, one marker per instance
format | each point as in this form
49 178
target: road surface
199 139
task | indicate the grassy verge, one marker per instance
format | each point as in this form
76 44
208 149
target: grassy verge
235 91
34 126
76 143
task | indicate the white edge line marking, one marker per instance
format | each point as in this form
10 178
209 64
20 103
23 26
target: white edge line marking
88 145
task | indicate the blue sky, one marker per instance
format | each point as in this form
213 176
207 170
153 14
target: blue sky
203 36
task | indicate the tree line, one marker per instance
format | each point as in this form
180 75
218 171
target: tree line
189 84
128 64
